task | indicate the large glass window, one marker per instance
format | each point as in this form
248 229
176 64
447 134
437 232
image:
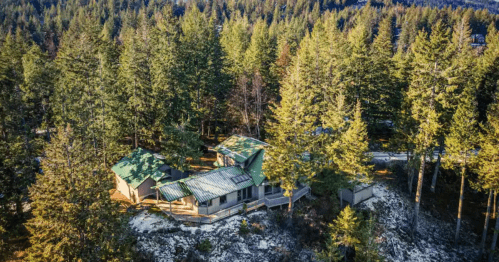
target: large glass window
244 194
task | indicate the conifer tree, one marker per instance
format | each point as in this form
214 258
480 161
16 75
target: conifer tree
431 57
134 78
260 55
344 230
353 150
488 171
70 202
368 250
290 137
196 71
37 88
387 98
165 77
459 75
461 142
179 144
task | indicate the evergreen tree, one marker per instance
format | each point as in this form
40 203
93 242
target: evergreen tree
369 248
427 85
179 145
344 230
461 142
37 88
353 150
70 202
488 170
134 77
459 75
196 70
290 138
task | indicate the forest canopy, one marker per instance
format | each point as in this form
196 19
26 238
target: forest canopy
327 75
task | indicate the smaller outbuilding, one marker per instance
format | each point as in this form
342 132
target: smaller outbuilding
356 195
141 170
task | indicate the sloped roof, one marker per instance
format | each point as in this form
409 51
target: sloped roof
255 168
218 182
240 148
138 166
175 190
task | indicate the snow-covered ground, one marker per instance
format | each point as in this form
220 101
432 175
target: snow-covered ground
166 240
434 240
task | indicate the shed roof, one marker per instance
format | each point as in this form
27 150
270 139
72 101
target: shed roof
218 182
240 148
138 166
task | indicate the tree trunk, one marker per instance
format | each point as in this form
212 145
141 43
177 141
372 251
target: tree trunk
485 227
494 240
290 210
418 194
495 205
460 209
411 179
437 168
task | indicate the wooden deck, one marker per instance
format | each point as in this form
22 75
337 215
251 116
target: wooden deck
185 213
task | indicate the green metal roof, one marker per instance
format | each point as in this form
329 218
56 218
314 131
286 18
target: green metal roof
218 182
255 168
175 190
240 148
138 166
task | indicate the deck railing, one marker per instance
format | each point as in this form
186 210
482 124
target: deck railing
269 202
272 202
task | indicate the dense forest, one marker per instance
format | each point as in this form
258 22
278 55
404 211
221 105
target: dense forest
85 81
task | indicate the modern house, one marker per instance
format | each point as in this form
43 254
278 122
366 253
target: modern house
238 182
141 170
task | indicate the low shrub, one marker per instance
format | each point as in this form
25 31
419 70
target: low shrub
257 228
244 229
204 246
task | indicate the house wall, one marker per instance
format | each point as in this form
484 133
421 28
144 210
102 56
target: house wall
346 195
363 194
231 201
190 201
123 187
145 188
357 197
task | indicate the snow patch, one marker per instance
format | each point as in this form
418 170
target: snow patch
149 222
434 239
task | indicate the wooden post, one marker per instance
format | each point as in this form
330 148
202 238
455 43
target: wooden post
171 208
157 197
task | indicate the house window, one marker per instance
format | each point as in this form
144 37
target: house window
244 194
205 204
268 190
223 199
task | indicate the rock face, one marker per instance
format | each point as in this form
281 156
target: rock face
165 240
434 239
